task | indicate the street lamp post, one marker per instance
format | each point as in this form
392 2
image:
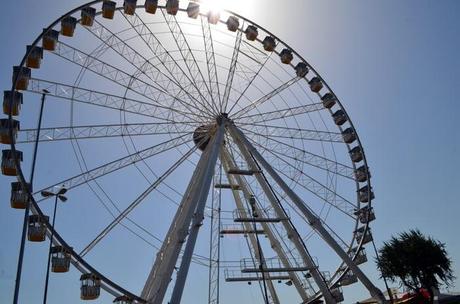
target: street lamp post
58 195
27 209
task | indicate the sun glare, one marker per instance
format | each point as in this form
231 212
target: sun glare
212 5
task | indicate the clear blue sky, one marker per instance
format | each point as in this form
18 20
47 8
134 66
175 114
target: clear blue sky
394 66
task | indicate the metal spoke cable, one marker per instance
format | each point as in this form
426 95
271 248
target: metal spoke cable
135 203
211 61
154 44
349 211
291 133
314 160
115 165
250 82
102 99
265 98
118 76
305 238
232 69
282 113
188 57
137 60
99 131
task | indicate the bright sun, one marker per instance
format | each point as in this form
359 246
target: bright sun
212 5
232 5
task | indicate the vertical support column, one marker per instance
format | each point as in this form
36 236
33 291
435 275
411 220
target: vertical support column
190 208
312 219
27 209
202 195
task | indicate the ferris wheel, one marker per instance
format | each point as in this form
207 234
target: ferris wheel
196 155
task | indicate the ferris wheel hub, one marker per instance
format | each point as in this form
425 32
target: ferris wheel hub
202 136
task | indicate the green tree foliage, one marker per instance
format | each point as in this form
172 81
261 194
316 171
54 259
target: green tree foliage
416 261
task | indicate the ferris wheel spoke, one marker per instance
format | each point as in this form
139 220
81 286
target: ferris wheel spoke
135 203
336 236
120 77
120 163
211 61
318 189
281 114
266 97
252 74
294 153
105 100
142 64
292 133
231 72
101 131
190 61
163 57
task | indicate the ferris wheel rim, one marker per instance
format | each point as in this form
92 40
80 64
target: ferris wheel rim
61 241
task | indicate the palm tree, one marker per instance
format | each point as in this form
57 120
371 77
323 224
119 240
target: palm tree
416 261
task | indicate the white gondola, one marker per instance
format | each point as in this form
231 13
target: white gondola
90 287
123 300
35 57
50 39
365 214
337 294
356 154
233 23
364 237
361 174
36 231
213 17
301 69
151 6
328 100
349 135
348 278
108 9
129 7
315 84
19 196
365 195
87 16
5 125
251 33
339 117
60 259
286 56
8 162
172 7
360 258
269 44
12 101
23 75
68 25
193 10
